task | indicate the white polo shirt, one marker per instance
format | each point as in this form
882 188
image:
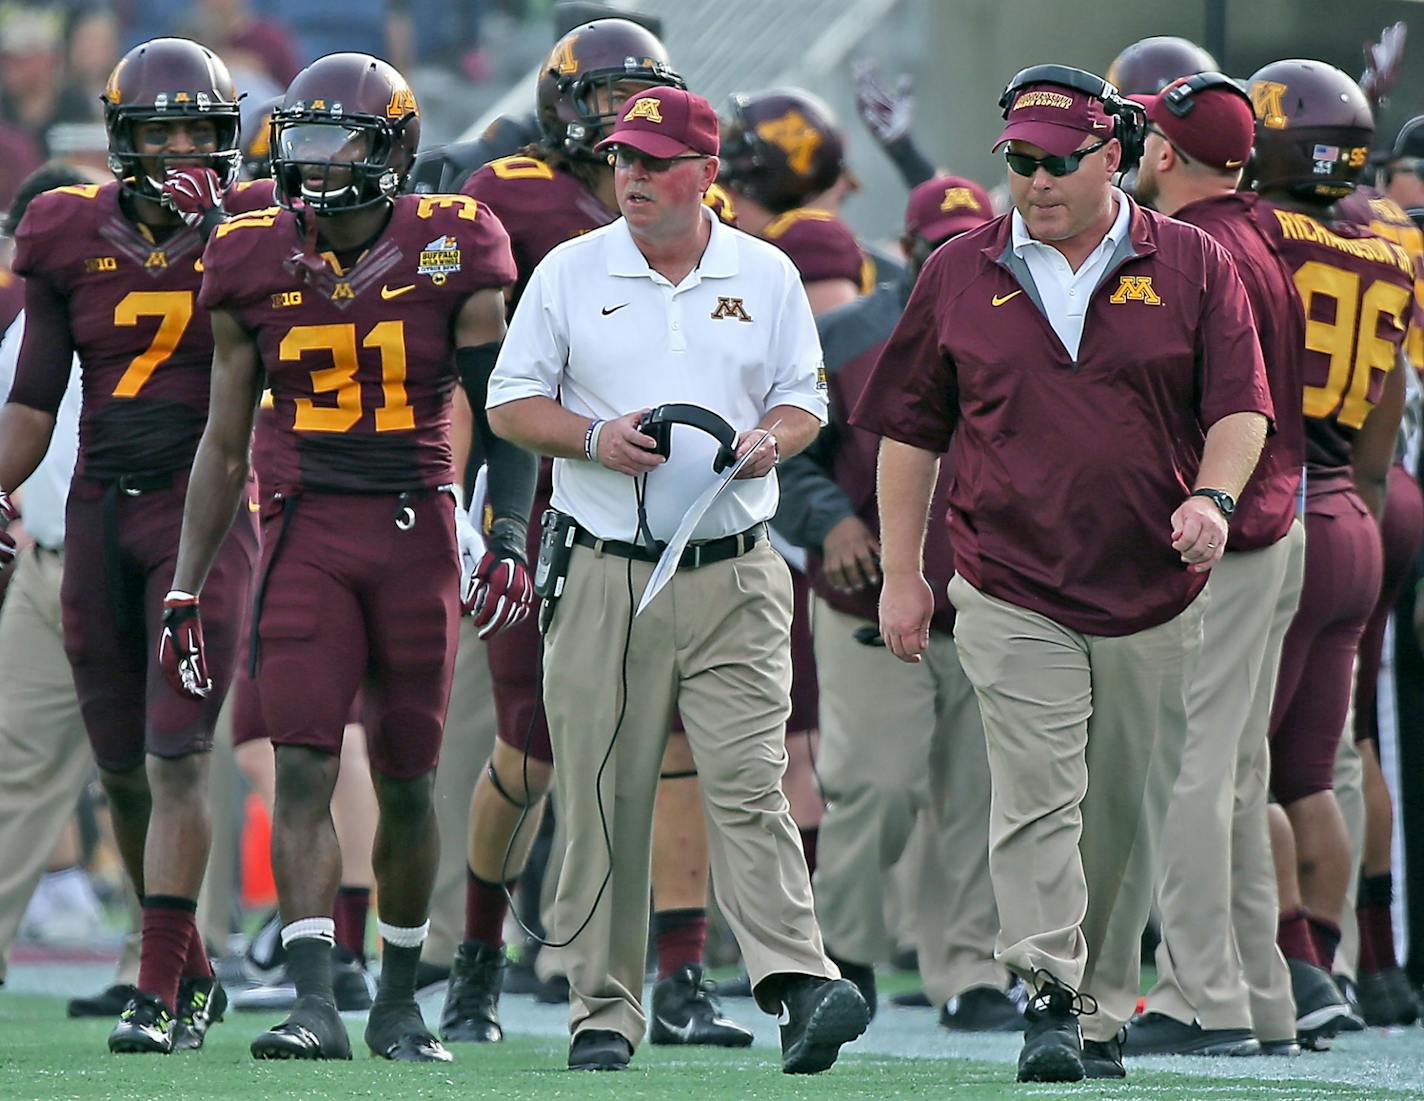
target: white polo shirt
1065 292
603 334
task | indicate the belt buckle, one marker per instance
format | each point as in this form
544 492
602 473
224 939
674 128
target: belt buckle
127 489
696 555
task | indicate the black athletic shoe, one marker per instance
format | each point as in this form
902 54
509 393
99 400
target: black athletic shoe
863 975
1354 1021
982 1009
740 986
822 1014
1287 1049
1053 1039
107 1003
1406 1003
398 1033
1320 1008
1159 1034
1374 999
1103 1058
313 1030
599 1049
201 1003
683 1012
471 1012
146 1026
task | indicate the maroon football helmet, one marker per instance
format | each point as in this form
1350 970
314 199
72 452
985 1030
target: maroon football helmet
1148 66
344 112
1313 130
780 147
596 56
163 79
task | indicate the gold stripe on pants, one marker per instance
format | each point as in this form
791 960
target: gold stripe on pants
715 644
1085 738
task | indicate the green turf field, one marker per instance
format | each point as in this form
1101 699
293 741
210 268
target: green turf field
44 1057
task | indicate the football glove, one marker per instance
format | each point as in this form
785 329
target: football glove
180 646
888 112
8 515
195 195
472 552
504 591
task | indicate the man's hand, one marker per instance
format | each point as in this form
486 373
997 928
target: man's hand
8 515
472 552
623 448
851 556
1199 533
888 112
193 193
906 605
180 646
764 456
503 590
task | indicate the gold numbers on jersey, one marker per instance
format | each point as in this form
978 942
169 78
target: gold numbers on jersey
256 219
1351 340
521 168
468 208
176 310
1411 240
387 337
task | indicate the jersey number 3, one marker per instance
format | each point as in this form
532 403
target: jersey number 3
388 337
176 310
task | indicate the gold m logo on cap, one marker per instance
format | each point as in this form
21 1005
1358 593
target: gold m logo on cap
1135 288
1268 98
646 108
956 197
1043 99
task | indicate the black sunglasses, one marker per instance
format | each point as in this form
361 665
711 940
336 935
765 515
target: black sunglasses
1025 165
625 157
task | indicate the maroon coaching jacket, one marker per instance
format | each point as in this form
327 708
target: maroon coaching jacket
1066 473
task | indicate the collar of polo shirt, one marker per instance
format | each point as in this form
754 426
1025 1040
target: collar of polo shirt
719 258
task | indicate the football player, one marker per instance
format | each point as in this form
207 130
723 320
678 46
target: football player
1313 127
361 308
546 194
1150 64
112 273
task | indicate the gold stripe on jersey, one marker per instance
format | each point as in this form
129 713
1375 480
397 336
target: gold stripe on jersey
782 222
253 219
1302 227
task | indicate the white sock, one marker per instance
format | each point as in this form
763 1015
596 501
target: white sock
397 937
318 928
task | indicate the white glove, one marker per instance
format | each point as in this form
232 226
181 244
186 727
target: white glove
472 550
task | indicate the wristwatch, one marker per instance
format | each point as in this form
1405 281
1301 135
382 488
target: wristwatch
1220 498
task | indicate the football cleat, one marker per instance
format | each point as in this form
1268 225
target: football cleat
1103 1058
683 1012
1053 1041
982 1009
599 1049
146 1026
1159 1034
398 1033
822 1014
1320 1008
201 1002
313 1030
471 1012
106 1003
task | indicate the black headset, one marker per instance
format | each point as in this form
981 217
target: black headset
658 423
1129 118
1180 98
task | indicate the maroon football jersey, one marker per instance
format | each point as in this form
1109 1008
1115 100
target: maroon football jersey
819 244
1367 207
245 196
1357 292
145 347
1268 504
361 359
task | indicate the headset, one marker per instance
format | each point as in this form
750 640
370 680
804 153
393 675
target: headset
1129 118
1180 98
658 423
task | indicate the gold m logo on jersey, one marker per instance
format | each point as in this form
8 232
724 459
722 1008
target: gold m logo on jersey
1135 288
956 197
402 103
342 292
796 137
645 108
156 259
1268 98
730 307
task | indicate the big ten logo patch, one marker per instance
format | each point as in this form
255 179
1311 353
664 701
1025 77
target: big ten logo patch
101 263
285 299
1135 288
730 307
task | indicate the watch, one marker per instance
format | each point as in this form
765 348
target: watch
1220 498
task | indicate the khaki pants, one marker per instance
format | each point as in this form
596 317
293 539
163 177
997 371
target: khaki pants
897 741
469 738
1350 794
1218 963
44 754
1085 738
716 646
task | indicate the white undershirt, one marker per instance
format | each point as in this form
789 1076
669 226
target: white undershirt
1064 292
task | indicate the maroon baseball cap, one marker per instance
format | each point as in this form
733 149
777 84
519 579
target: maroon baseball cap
666 122
1055 118
1218 130
945 206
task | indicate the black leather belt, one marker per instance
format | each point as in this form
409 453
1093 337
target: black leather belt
697 554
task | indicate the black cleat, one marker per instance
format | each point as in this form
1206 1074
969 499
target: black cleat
822 1015
1159 1034
982 1009
201 1003
1286 1049
1053 1039
683 1012
398 1033
146 1026
1406 1002
1320 1008
313 1030
1103 1058
1354 1021
599 1049
863 975
471 1013
107 1003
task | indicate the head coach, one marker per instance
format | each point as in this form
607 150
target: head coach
667 305
1093 369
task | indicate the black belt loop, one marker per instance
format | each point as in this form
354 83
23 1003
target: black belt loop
289 507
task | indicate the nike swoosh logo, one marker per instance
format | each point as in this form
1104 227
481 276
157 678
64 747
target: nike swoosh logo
606 311
682 1031
253 506
386 291
1099 125
1000 299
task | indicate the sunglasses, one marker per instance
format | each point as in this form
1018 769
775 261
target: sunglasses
624 157
1025 165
